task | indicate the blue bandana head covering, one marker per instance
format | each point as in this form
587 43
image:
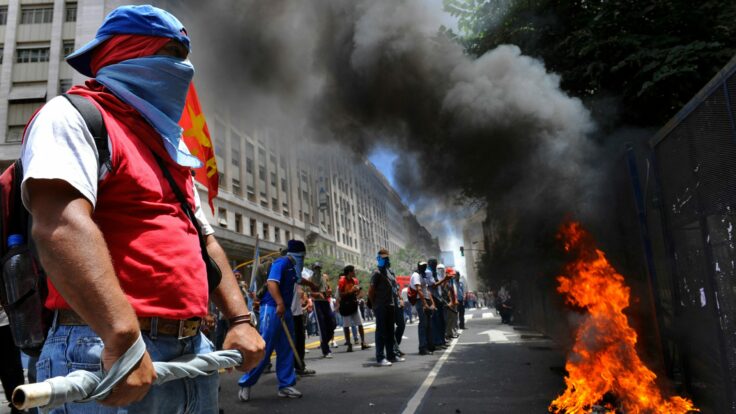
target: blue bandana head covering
138 20
156 86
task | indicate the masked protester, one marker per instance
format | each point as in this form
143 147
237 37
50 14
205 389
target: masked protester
425 306
435 275
276 304
350 289
381 295
117 228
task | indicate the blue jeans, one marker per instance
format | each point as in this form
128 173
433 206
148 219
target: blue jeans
424 329
273 333
325 323
71 348
385 320
438 324
400 327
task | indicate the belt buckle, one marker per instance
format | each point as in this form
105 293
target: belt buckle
181 330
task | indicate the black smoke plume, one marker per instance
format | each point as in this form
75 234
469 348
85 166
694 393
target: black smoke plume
379 72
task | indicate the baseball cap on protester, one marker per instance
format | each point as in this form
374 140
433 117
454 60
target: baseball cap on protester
296 246
138 20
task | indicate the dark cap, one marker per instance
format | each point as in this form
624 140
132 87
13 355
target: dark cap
316 265
296 246
383 253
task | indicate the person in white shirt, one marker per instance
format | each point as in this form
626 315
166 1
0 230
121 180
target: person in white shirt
424 306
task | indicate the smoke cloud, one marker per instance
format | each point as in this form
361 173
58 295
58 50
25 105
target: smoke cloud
370 73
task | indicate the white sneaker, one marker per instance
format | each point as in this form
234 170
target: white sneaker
328 356
384 363
289 392
244 394
399 359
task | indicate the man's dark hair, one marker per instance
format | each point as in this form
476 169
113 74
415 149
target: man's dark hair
348 269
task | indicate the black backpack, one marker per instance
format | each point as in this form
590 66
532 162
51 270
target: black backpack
15 220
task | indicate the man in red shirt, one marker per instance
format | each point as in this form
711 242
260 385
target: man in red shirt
350 291
123 255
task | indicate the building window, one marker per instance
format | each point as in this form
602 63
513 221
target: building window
64 85
274 204
235 151
283 184
222 217
249 165
277 235
19 112
236 187
262 172
68 48
32 55
70 12
2 52
3 15
239 223
266 236
274 182
36 14
252 228
251 194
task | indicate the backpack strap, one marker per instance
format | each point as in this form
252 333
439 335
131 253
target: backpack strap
96 125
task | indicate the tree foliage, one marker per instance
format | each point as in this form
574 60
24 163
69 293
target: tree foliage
634 62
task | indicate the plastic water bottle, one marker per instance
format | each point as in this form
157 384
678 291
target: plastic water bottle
22 290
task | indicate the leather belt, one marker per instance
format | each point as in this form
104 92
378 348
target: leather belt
181 328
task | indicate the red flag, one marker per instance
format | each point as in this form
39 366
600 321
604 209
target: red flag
197 138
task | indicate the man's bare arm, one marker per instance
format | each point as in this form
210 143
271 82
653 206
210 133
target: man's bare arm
73 252
228 298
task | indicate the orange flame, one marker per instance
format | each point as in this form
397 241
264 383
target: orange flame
604 358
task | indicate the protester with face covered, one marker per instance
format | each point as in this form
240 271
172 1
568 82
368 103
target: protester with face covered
276 305
115 226
322 308
349 289
451 310
425 306
435 275
381 296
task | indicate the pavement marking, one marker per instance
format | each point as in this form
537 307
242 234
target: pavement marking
315 344
495 336
488 315
416 400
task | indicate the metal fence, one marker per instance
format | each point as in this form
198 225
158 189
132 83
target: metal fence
692 224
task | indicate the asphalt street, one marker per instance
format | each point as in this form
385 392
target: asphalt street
491 368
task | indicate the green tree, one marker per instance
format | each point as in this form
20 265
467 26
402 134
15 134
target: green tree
633 62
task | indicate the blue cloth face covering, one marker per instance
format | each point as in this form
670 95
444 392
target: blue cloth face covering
299 265
156 86
383 262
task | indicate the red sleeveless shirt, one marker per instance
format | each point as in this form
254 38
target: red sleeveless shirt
154 246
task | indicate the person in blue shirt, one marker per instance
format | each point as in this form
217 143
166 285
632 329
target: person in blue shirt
276 305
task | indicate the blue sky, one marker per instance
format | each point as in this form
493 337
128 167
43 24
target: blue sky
383 159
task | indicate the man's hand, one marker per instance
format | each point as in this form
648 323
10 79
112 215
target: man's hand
280 309
135 386
248 341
